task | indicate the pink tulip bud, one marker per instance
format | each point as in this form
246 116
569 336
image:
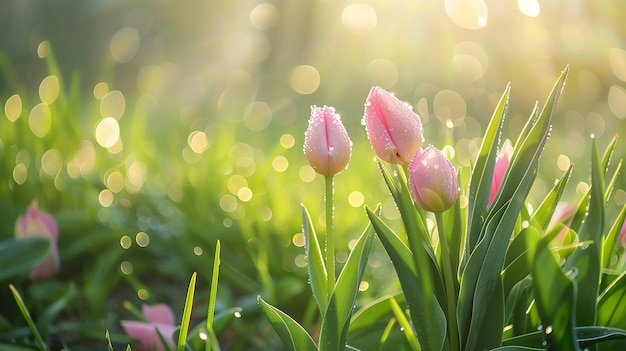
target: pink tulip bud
394 130
499 170
326 142
159 317
432 180
40 224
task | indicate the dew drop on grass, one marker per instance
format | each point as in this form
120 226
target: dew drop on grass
237 314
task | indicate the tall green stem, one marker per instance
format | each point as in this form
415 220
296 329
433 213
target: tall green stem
330 244
453 332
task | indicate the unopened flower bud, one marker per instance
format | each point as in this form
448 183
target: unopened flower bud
499 170
40 224
326 142
432 180
394 130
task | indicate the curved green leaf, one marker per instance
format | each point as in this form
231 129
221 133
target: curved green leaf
427 315
555 297
336 320
587 260
19 256
315 263
612 304
290 332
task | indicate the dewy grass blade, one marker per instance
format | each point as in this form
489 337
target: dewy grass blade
212 342
184 325
404 324
29 320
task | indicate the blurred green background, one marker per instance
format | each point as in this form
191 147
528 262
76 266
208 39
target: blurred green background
152 128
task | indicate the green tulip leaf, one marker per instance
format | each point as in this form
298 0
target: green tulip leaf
481 296
18 256
316 267
555 296
336 320
292 334
426 313
587 260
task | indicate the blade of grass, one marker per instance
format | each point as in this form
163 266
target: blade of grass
212 342
29 320
184 326
403 322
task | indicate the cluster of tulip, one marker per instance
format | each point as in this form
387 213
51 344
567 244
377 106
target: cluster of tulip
396 135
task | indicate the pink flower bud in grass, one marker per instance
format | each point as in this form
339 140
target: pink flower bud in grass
326 142
432 180
40 224
394 130
159 317
499 170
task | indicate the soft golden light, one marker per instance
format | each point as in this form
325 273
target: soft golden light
13 107
113 104
40 120
467 14
359 18
529 8
304 79
49 89
107 132
125 44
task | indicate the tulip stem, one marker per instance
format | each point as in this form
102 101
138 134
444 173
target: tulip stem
330 244
453 333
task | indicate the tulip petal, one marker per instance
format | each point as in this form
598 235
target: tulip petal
159 313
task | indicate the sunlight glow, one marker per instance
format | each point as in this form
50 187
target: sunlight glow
142 239
264 16
105 197
449 105
113 104
382 72
356 199
280 163
617 62
107 132
43 49
49 89
198 141
529 8
617 101
40 120
126 242
257 116
51 162
13 107
114 180
359 18
136 175
304 79
298 239
307 174
125 44
100 90
287 141
467 14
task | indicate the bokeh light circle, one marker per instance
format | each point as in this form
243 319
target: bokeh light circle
125 44
107 132
359 18
304 79
467 14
